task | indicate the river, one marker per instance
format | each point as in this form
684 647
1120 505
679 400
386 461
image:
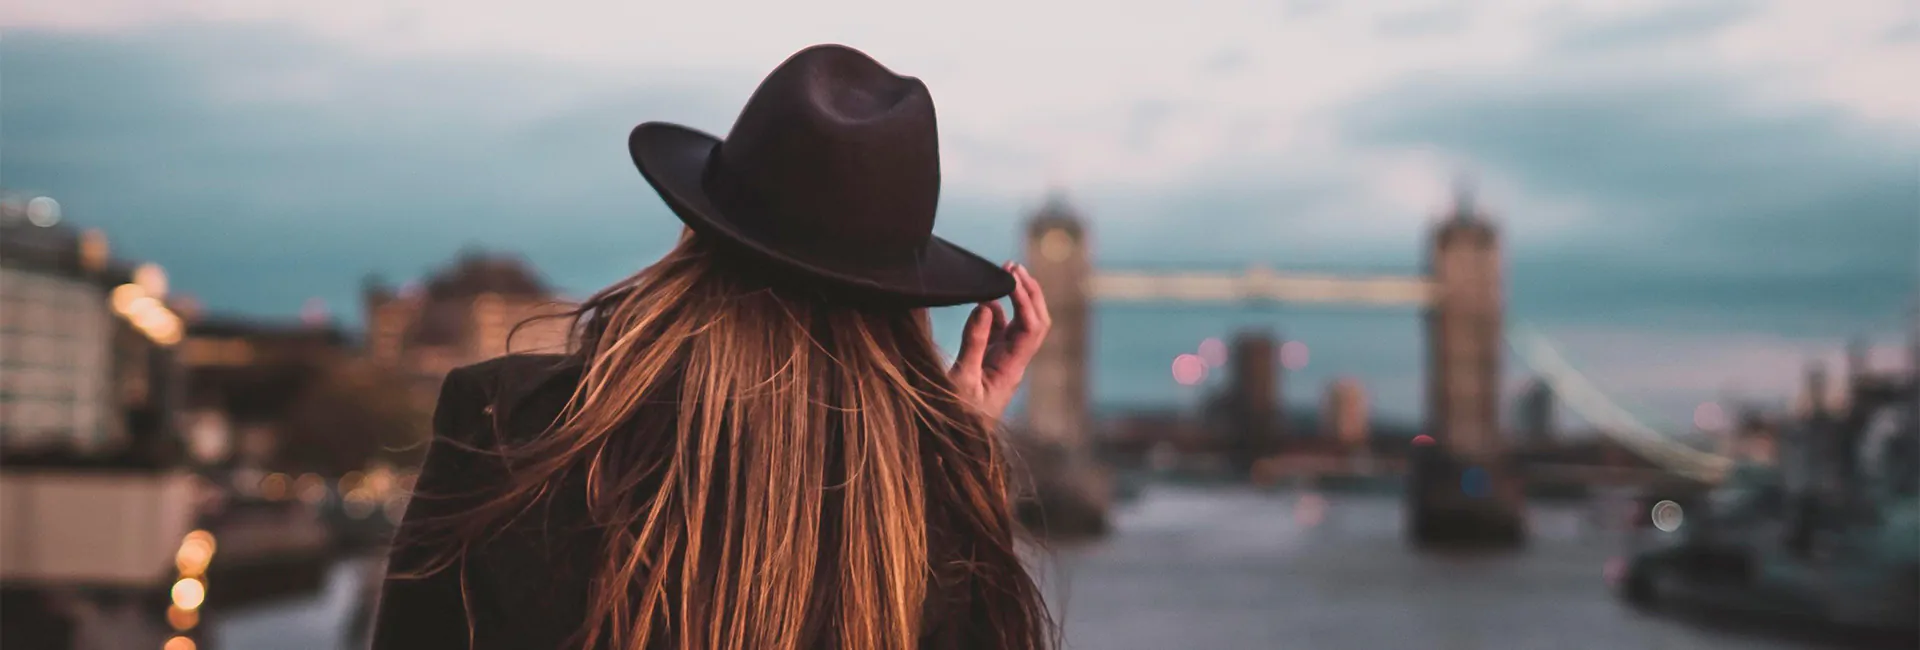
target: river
1203 569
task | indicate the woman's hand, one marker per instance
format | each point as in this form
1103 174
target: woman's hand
994 352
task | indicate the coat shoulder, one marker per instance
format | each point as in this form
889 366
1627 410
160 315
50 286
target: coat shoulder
514 388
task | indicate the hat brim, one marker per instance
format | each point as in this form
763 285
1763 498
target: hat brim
674 159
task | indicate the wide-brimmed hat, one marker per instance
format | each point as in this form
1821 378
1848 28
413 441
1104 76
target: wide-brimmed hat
832 171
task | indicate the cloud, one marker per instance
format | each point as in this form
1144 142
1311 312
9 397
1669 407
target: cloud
305 165
1692 195
1733 167
1445 18
1678 24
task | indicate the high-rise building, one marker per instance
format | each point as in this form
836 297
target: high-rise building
85 365
1345 413
1537 418
464 314
97 501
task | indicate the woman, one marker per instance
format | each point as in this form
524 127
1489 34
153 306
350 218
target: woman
754 443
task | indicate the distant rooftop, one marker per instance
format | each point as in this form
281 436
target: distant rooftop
477 272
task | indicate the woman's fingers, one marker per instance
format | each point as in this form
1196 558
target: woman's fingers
974 339
1039 300
998 316
1032 312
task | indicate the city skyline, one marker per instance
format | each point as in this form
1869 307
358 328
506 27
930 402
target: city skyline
1693 196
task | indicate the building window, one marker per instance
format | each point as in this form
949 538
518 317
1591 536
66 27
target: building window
54 361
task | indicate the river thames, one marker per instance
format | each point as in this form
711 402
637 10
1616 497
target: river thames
1234 569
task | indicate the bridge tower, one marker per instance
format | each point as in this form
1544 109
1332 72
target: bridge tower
1467 485
1254 400
1071 493
1057 392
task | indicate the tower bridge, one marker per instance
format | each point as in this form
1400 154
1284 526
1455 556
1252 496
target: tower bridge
1461 300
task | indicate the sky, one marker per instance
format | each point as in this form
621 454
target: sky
1695 198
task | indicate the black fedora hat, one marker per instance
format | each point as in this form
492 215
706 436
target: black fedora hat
832 170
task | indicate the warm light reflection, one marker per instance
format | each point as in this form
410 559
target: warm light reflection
1188 369
359 503
274 486
123 296
1423 440
139 306
189 593
151 278
193 557
180 643
182 619
351 481
310 488
206 537
379 481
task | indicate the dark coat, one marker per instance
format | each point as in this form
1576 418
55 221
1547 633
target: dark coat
527 587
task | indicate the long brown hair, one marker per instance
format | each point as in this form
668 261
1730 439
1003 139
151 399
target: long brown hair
817 482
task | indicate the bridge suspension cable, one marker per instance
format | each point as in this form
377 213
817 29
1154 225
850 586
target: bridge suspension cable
1590 404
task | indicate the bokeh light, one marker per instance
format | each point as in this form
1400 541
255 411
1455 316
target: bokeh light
1423 440
182 619
1293 355
189 593
1667 516
310 488
193 557
1214 352
180 643
206 538
1189 369
358 503
274 487
43 211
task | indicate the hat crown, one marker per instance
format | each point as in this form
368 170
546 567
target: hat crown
835 153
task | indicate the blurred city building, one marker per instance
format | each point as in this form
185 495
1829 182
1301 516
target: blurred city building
1536 413
1254 415
94 501
482 306
1753 439
244 378
1345 412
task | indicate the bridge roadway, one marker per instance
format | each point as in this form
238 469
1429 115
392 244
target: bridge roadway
1232 570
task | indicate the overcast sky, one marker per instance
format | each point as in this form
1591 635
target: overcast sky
1690 191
